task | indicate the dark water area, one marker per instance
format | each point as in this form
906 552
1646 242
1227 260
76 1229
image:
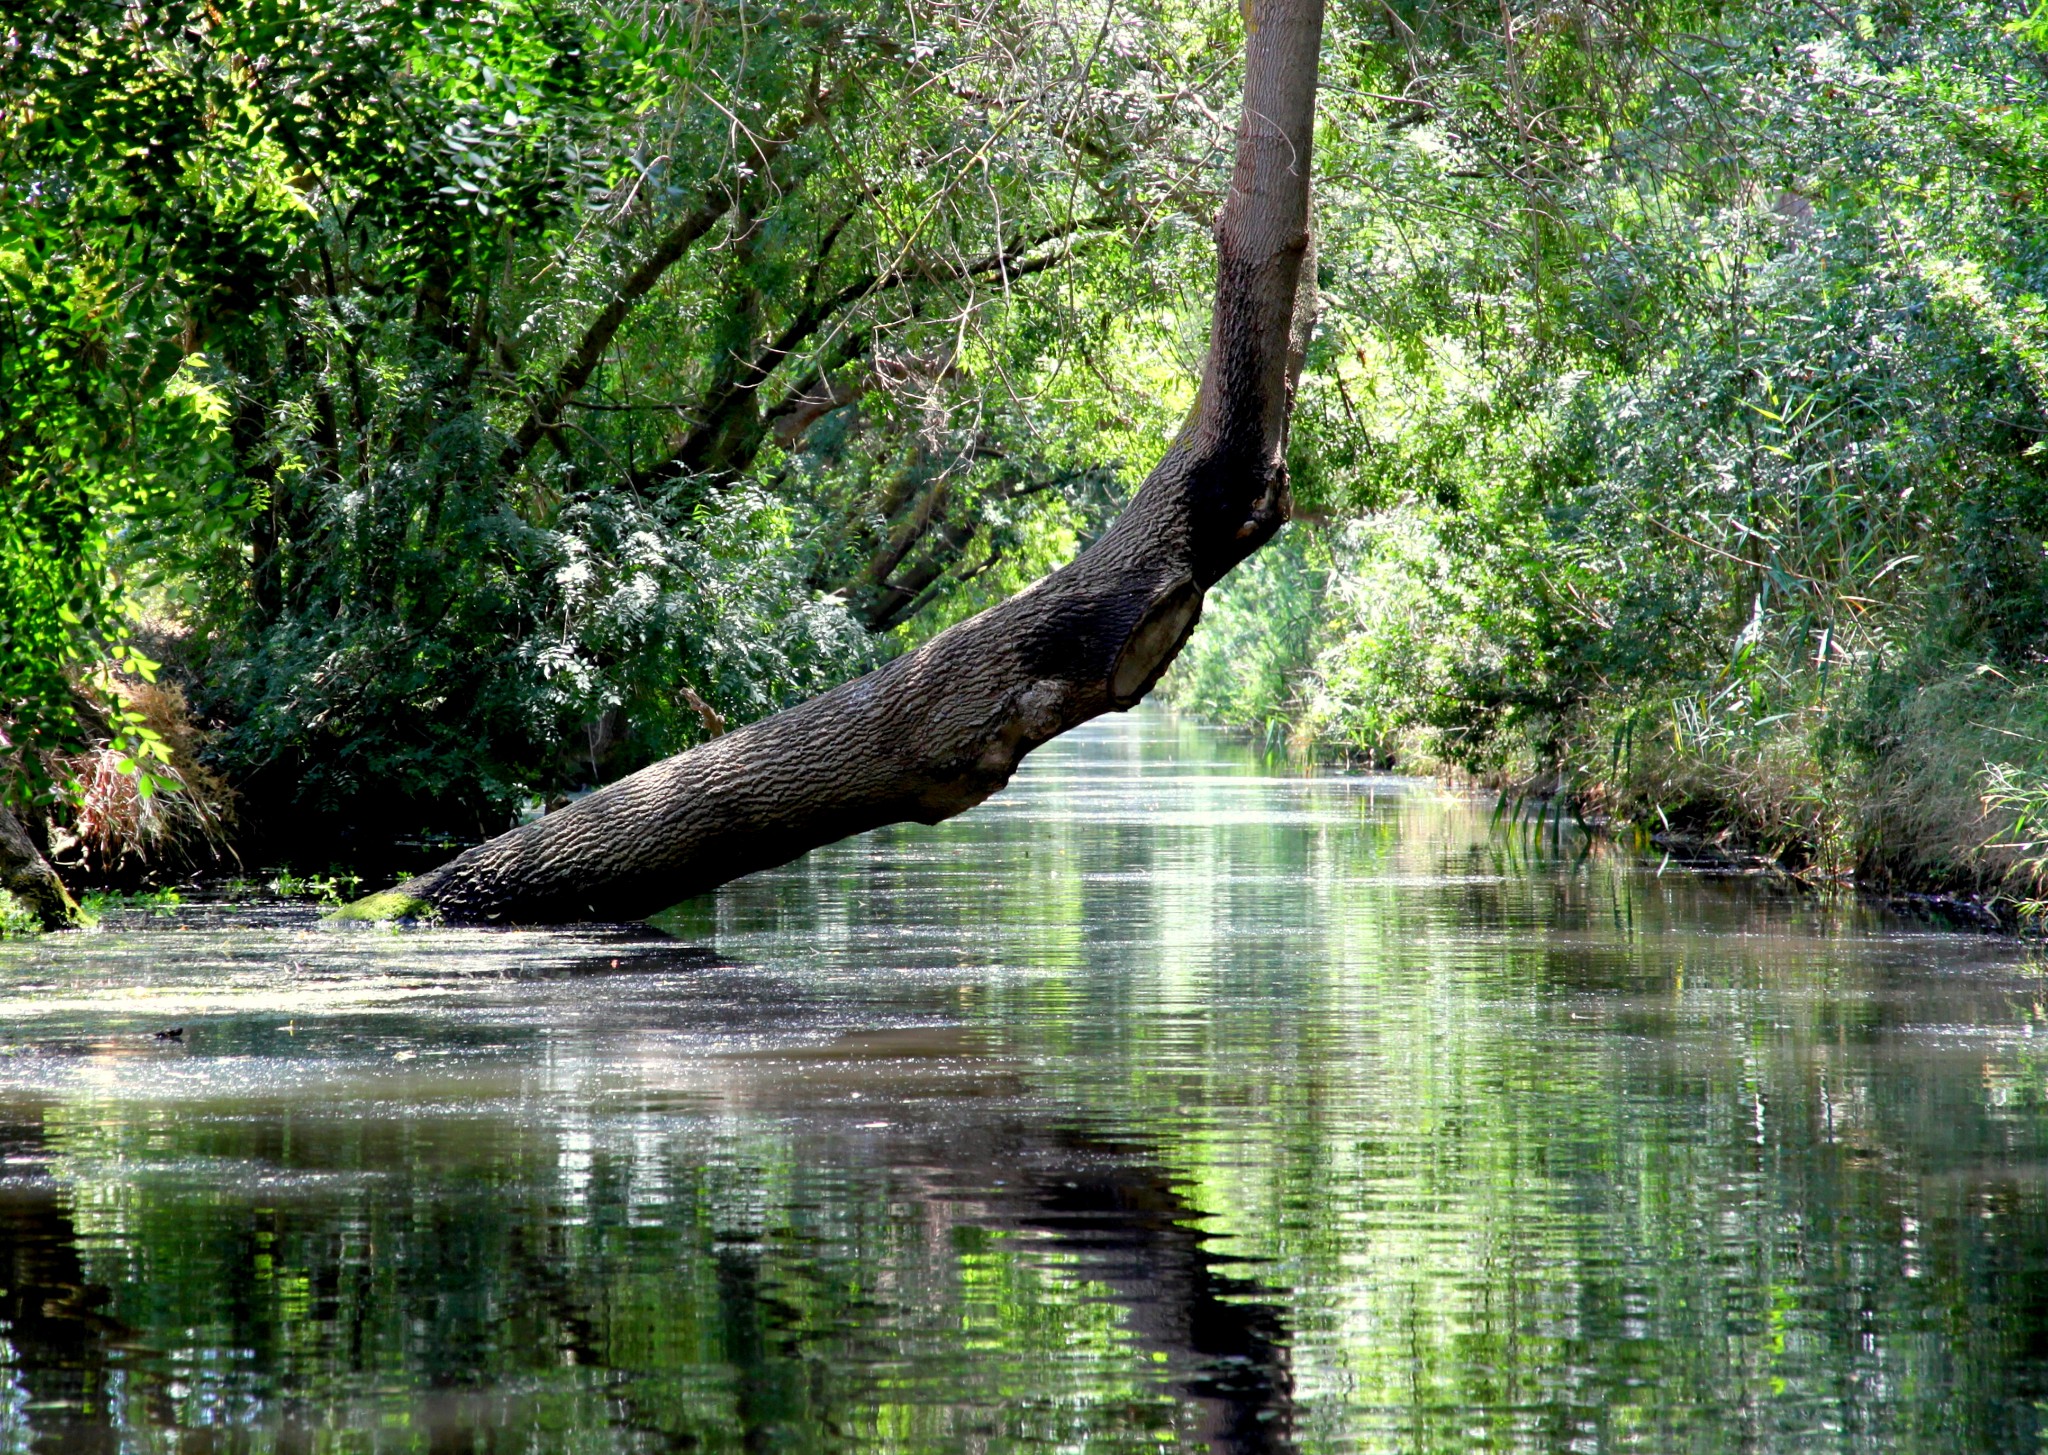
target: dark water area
1169 1101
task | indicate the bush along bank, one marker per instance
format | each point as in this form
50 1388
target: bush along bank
1924 776
1919 775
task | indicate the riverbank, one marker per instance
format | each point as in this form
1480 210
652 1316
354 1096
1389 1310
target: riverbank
1918 774
1928 795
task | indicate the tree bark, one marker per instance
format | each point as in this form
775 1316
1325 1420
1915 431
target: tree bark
27 875
937 731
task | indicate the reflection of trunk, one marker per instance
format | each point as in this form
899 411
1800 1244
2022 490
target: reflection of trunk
1134 1234
937 731
49 1316
1111 1208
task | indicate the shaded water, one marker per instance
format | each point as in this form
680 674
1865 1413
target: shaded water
1163 1102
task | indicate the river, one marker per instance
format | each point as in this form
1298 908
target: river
1169 1100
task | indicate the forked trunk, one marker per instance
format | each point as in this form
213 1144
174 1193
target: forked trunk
939 730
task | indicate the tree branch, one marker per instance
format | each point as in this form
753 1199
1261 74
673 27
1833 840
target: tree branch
711 446
716 200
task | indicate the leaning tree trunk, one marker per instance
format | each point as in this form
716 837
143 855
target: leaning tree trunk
937 731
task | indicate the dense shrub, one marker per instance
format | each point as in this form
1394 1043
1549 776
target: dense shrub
548 659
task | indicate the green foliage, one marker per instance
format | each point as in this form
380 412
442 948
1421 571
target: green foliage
17 921
93 451
493 400
642 609
164 901
1253 634
326 889
1691 424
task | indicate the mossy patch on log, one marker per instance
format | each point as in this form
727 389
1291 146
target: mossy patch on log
391 904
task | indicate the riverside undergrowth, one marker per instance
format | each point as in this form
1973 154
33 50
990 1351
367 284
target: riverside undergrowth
1926 775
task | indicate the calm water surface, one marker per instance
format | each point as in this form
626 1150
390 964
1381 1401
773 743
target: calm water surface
1168 1101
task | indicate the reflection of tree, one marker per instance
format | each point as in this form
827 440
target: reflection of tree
1138 1236
1551 1150
1107 1210
781 1298
49 1314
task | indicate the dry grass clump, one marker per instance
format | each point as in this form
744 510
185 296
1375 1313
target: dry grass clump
1958 792
121 823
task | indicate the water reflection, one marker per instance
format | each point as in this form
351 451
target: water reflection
58 1338
1134 1233
443 1315
1166 1101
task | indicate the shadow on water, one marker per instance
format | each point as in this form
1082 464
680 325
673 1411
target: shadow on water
58 1337
1115 1219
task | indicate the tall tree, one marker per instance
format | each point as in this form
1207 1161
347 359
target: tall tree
936 732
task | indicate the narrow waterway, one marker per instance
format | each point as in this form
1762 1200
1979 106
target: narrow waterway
1170 1100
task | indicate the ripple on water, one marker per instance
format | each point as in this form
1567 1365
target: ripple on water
1169 1098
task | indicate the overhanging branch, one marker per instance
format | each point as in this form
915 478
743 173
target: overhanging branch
709 444
544 412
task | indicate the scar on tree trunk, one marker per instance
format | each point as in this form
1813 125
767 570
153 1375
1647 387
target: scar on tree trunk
937 731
